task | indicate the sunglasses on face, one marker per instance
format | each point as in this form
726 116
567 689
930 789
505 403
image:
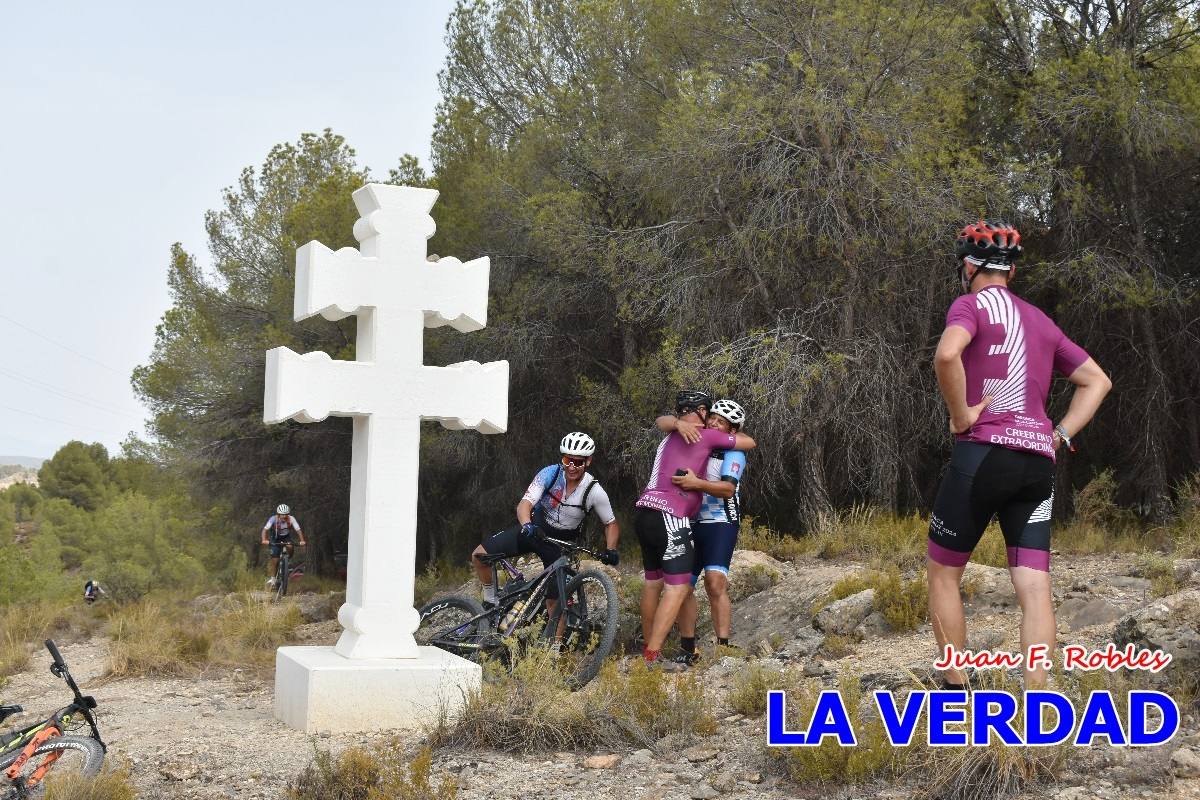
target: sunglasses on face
569 461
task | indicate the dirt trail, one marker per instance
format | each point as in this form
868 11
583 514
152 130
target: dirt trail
215 736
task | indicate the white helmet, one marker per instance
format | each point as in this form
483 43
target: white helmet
282 508
577 444
730 411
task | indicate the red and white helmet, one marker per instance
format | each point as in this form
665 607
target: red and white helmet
988 242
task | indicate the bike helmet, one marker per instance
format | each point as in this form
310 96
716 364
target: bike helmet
577 444
988 242
729 410
282 508
692 398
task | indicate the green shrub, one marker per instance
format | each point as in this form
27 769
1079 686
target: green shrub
1160 570
748 695
904 603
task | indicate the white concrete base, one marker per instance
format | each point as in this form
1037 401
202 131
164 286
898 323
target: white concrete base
318 690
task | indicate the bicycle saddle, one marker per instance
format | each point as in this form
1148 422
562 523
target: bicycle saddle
8 711
492 558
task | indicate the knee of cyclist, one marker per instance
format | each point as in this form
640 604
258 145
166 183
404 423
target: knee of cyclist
715 583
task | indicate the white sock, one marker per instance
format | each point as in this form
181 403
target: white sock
489 593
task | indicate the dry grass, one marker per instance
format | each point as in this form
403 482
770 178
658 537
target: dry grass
829 763
533 709
112 784
440 577
993 772
380 774
150 638
23 628
748 695
780 546
870 534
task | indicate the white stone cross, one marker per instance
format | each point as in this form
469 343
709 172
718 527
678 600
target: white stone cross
395 293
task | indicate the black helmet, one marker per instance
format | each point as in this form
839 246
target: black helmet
689 399
988 242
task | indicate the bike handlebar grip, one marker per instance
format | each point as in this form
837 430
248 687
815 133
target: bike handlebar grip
57 656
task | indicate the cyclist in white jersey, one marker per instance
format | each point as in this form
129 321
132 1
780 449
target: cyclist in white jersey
556 505
278 534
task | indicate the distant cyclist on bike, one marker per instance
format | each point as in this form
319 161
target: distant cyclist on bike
994 364
555 504
714 529
278 533
664 511
92 591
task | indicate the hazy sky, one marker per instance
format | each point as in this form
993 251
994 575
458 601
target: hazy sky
120 123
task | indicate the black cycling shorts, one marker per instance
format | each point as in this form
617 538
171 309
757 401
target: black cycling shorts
667 549
985 481
513 542
277 546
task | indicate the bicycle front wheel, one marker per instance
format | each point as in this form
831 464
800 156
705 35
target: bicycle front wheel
281 576
587 623
455 624
59 756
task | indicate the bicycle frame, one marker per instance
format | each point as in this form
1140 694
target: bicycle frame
30 738
534 594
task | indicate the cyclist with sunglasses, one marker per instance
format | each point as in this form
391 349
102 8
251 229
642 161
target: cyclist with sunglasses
556 504
664 512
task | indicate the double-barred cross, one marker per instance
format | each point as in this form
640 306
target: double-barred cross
395 293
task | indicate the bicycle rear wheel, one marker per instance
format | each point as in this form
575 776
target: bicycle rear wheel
58 756
588 620
447 623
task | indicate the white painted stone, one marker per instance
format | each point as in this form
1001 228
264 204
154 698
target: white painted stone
395 292
317 690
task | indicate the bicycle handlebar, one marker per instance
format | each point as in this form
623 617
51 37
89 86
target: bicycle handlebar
57 656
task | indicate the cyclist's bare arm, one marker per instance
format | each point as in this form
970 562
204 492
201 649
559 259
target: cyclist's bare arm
1091 385
524 511
612 535
951 376
691 482
264 533
690 431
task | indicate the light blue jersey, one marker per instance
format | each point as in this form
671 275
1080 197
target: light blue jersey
723 464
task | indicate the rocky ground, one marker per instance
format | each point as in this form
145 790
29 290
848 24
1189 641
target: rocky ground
215 736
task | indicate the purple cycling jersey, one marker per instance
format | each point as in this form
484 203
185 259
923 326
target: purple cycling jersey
676 454
1013 351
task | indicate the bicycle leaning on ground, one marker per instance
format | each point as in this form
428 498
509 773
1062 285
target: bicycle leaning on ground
27 754
581 628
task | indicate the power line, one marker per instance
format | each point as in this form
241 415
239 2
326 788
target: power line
75 425
67 394
73 351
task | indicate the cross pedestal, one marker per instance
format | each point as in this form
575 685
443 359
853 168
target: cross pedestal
376 676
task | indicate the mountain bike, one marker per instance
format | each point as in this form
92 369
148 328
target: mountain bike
283 572
580 629
27 754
